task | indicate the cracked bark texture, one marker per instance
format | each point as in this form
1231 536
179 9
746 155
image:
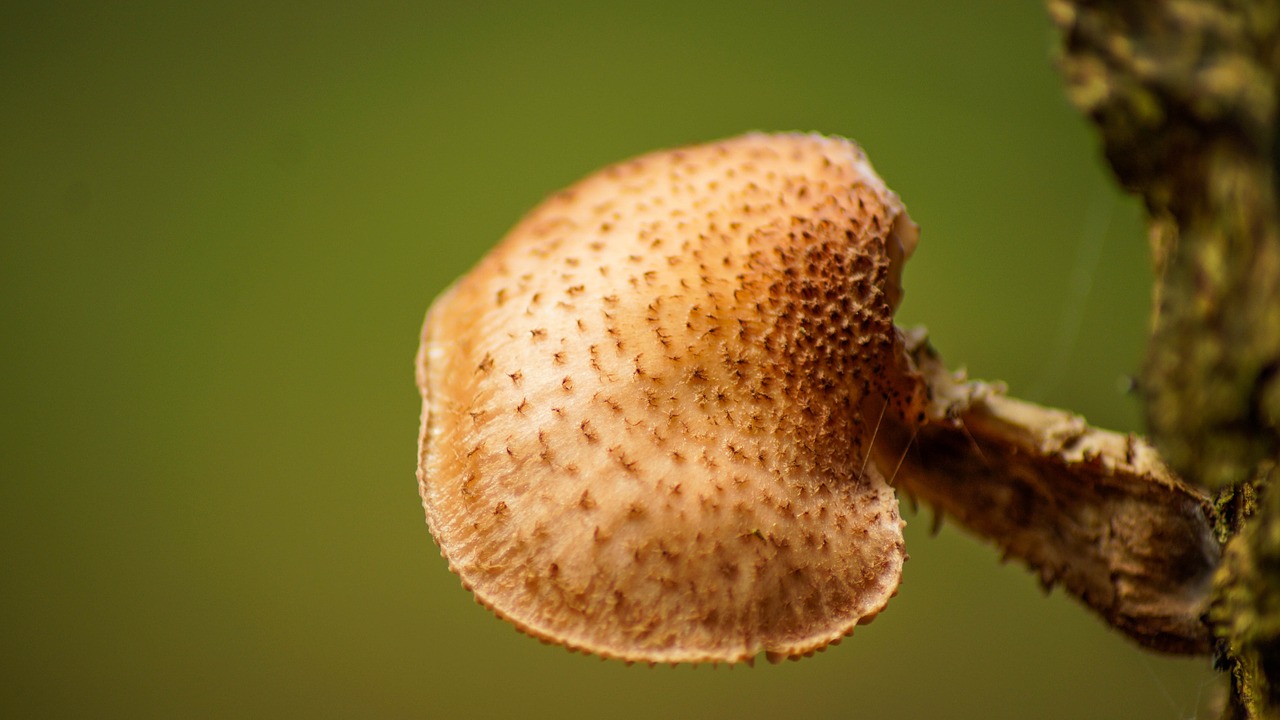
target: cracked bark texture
1093 511
1183 94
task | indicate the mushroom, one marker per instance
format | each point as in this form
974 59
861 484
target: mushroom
661 418
647 413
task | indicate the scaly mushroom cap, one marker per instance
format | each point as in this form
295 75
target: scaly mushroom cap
646 412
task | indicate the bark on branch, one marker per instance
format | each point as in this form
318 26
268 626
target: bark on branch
1094 511
1184 95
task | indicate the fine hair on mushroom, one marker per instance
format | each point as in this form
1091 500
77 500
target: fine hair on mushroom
660 421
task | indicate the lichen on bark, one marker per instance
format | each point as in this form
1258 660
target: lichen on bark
1184 94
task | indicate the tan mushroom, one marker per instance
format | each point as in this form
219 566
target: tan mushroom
660 421
647 413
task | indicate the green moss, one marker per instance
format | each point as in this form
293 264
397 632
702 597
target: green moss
1184 95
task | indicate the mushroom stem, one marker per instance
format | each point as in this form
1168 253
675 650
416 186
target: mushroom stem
1095 511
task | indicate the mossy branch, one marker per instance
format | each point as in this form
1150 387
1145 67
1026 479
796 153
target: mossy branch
1184 94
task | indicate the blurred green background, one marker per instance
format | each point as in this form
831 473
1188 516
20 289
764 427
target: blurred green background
221 224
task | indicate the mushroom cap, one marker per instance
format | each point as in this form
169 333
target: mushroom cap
647 413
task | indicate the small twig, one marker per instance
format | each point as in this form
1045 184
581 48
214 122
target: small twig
1094 511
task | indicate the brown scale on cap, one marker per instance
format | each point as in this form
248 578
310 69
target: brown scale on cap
647 412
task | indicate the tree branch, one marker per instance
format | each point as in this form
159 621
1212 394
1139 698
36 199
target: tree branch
1184 95
1092 510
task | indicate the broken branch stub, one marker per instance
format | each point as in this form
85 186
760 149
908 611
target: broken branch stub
1094 511
659 417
